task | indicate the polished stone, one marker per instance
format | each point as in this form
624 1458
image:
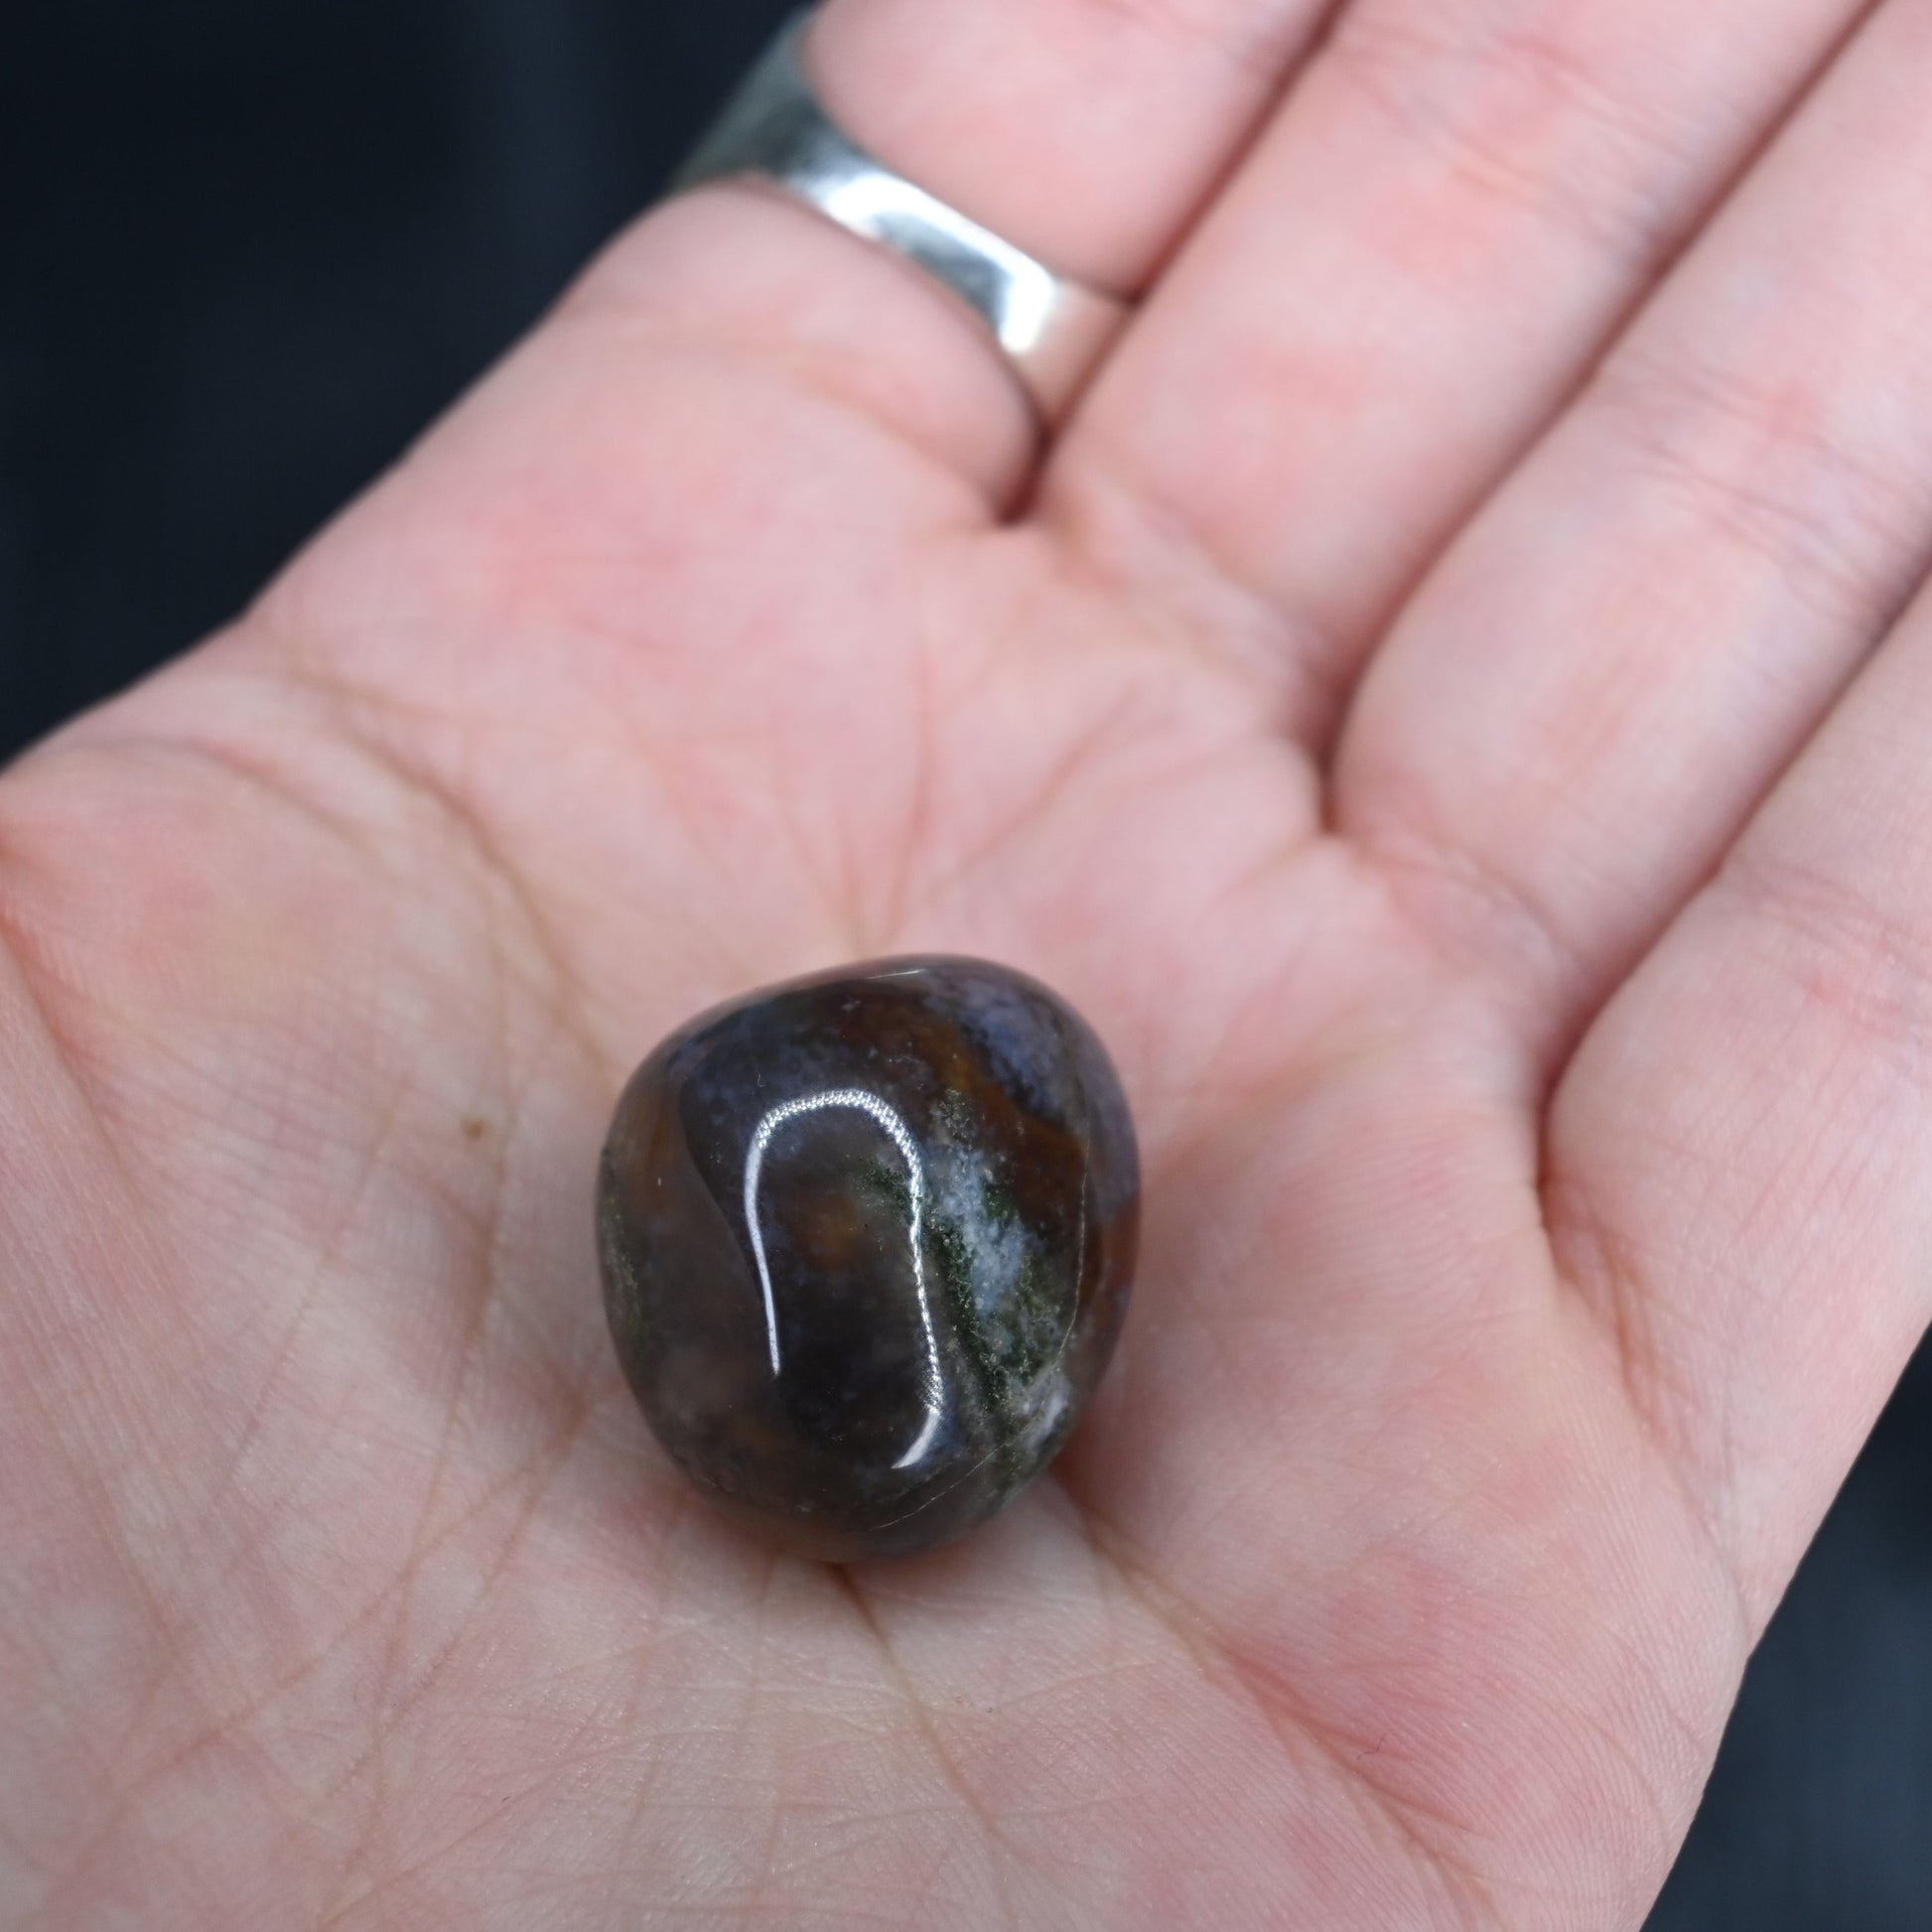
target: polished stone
867 1241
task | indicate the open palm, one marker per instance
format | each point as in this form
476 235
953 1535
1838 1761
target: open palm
1418 709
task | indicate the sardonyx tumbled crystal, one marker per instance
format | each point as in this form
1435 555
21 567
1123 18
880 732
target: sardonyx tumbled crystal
866 1240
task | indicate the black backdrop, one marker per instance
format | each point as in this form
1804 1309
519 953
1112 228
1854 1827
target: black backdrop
247 247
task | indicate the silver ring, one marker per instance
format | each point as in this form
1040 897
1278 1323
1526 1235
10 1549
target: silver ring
1054 330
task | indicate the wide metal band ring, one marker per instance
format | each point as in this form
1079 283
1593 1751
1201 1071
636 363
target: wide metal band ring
1052 331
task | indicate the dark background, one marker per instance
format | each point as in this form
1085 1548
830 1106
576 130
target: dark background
248 247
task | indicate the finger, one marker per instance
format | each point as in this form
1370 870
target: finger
1082 131
1609 670
1456 206
1740 1158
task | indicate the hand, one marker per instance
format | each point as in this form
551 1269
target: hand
1425 708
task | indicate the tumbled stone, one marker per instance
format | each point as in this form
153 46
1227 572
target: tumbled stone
866 1240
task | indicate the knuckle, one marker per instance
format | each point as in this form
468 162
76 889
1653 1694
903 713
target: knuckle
1759 461
1256 35
1860 964
1472 909
1525 114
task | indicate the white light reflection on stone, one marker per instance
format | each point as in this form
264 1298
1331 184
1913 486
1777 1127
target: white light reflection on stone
868 1103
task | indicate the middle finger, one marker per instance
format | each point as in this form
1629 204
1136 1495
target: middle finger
1453 211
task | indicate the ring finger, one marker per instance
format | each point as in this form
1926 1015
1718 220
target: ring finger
1083 132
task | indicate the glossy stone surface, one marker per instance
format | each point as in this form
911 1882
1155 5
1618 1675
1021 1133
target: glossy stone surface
867 1242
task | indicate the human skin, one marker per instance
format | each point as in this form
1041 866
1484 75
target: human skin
1449 707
